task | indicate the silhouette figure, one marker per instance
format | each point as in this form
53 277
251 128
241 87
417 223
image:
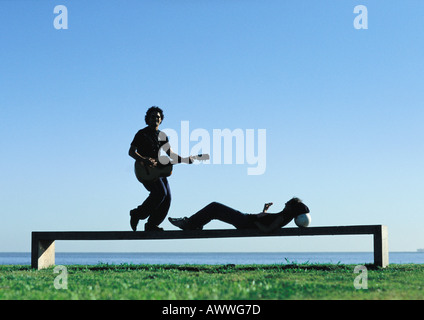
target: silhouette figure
145 149
264 221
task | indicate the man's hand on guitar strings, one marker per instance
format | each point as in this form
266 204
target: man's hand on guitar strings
150 162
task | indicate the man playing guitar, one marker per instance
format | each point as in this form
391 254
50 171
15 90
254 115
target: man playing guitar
145 149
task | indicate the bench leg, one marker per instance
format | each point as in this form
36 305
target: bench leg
381 247
42 253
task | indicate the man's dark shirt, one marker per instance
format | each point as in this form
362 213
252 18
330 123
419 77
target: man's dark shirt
148 142
266 220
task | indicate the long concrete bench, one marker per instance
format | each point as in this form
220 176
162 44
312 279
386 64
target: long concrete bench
43 243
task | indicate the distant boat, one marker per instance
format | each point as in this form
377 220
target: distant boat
420 250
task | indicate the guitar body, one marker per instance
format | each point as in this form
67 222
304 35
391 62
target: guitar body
146 174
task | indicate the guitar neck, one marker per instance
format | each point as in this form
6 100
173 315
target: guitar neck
200 157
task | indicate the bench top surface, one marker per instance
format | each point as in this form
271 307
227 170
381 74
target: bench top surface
209 233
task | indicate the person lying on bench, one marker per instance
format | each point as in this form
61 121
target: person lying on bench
264 221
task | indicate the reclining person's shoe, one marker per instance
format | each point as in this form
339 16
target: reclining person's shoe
182 223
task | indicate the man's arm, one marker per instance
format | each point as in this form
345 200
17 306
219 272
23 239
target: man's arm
177 158
138 157
265 209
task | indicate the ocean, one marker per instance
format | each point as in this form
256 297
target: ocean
213 258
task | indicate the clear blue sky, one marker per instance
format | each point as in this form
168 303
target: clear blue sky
343 111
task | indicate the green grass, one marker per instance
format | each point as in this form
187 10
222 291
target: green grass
304 281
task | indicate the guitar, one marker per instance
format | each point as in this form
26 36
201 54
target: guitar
164 167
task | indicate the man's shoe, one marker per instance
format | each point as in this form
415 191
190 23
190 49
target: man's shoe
139 213
151 227
133 220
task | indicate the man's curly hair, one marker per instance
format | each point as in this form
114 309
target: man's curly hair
153 109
